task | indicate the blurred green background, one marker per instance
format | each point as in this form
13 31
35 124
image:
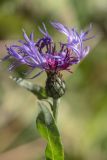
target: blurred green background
83 111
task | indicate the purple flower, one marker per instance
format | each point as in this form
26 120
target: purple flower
75 40
42 53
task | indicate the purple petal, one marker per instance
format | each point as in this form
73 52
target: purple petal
45 32
25 36
85 51
60 27
32 36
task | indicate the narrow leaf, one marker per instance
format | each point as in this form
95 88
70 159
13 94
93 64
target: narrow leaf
48 129
35 89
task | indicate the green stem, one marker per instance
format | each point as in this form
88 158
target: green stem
55 107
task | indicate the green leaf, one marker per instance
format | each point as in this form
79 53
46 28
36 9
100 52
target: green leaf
48 129
35 89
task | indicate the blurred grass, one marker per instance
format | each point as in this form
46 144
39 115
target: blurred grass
83 111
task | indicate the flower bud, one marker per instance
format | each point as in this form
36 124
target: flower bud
55 86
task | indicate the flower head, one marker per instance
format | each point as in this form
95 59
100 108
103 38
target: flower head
42 53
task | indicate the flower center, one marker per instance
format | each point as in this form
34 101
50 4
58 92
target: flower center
52 63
